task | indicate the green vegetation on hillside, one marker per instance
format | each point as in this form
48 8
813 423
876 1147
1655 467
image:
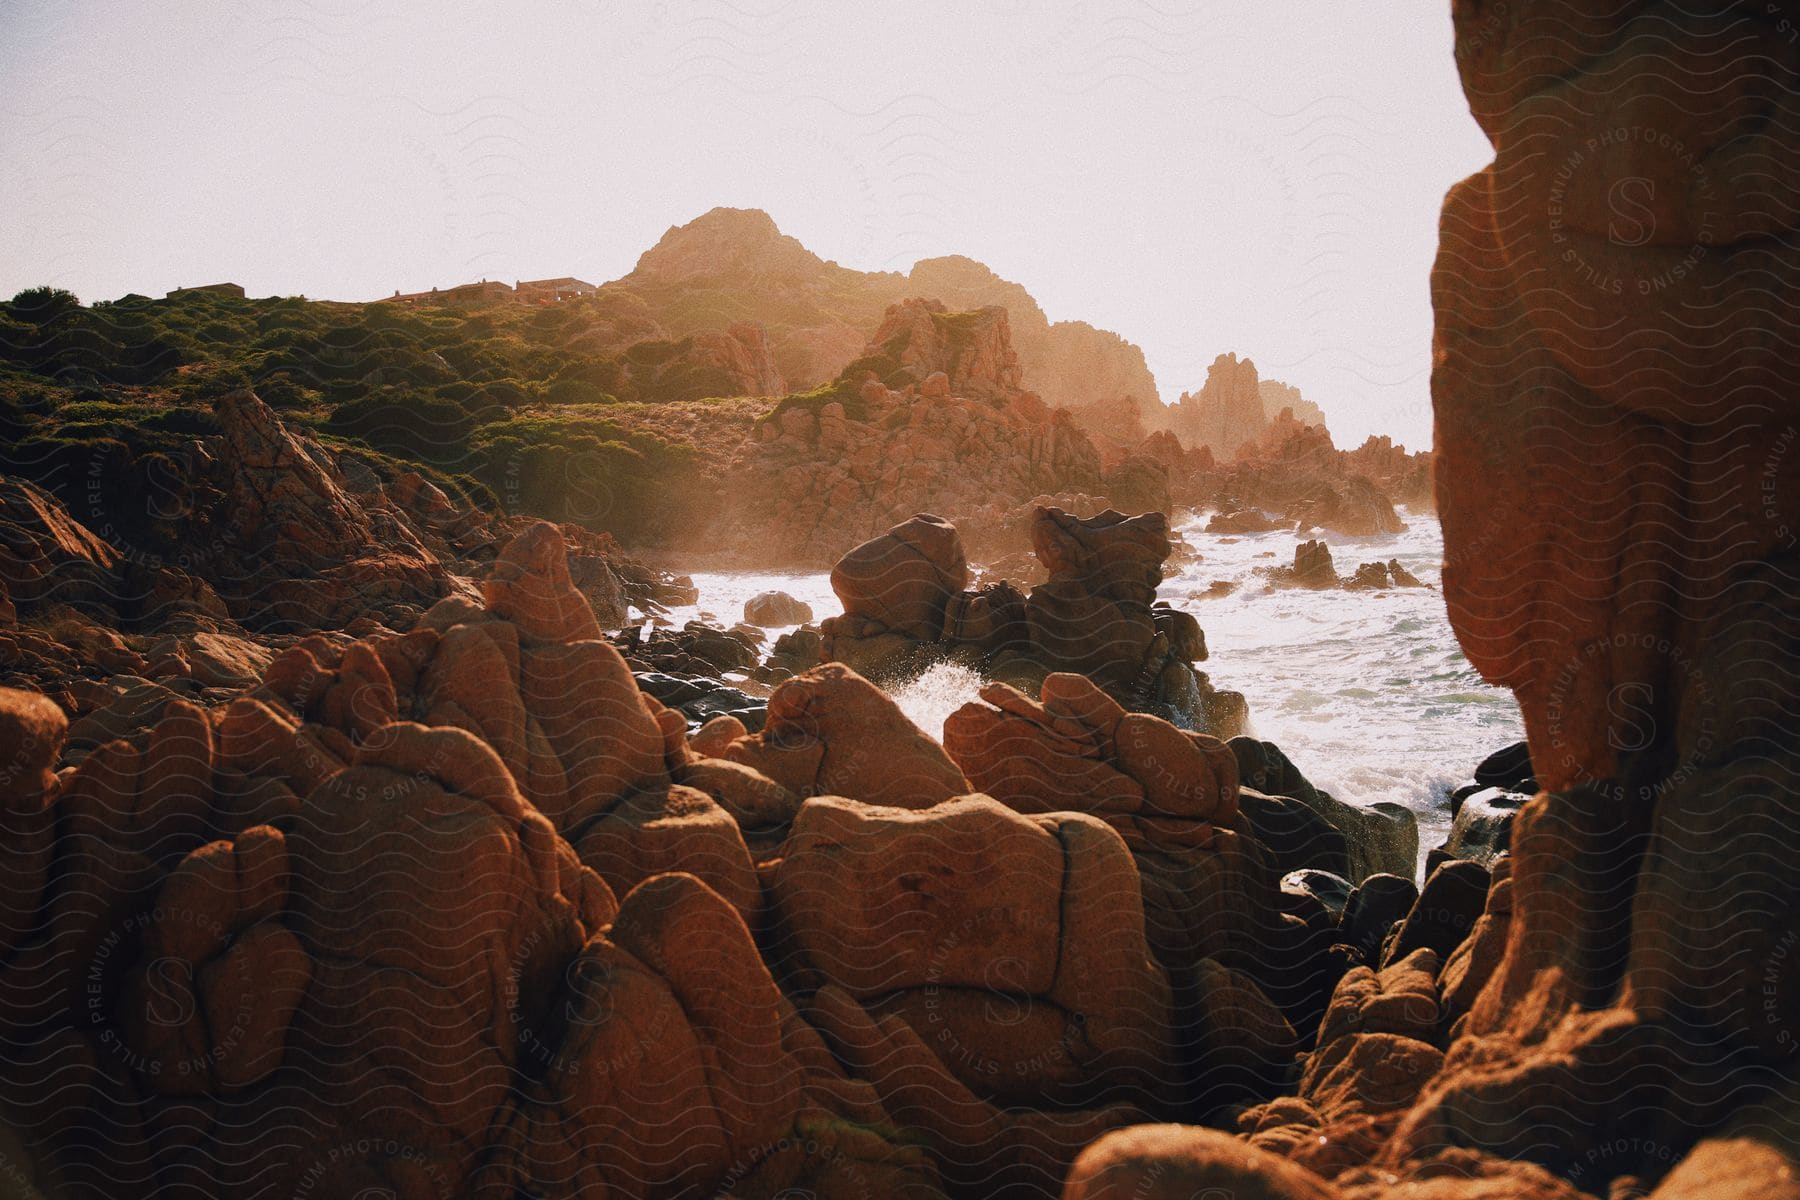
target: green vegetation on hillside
508 403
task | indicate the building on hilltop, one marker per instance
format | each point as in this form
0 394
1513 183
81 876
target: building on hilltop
466 295
215 289
551 291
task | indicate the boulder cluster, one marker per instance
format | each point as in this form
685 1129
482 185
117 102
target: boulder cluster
464 911
1313 568
907 604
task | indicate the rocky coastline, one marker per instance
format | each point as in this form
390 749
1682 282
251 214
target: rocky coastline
369 836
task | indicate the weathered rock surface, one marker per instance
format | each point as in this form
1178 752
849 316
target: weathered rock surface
45 554
832 732
280 538
1172 796
945 916
465 909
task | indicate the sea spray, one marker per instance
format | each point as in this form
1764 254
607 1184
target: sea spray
937 693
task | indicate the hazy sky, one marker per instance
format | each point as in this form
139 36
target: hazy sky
1199 176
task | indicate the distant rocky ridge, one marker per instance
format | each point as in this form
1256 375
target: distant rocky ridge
731 269
734 264
934 416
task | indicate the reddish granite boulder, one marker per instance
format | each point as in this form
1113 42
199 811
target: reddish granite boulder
903 579
1179 1162
1014 945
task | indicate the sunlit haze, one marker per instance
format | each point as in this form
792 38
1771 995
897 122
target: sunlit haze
1198 177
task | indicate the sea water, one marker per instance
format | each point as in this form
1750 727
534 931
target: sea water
1367 692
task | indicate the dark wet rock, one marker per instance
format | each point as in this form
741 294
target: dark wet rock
1380 837
1509 768
1374 908
1297 835
1331 892
1481 830
1449 904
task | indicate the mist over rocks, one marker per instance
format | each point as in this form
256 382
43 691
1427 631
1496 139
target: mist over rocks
1227 413
742 262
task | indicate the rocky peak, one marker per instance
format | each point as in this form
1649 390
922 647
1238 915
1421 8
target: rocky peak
959 280
726 242
1227 412
1278 396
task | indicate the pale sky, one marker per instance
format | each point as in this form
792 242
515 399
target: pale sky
1197 176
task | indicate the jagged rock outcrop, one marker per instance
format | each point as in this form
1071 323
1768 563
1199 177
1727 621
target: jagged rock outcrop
1070 364
1226 413
278 536
1354 507
1312 568
48 556
1406 478
1278 397
973 350
1292 476
736 360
